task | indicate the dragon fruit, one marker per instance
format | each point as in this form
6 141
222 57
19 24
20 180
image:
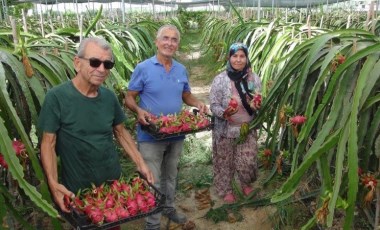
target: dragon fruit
233 103
115 201
110 215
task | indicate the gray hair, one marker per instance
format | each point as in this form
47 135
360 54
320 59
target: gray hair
168 27
98 41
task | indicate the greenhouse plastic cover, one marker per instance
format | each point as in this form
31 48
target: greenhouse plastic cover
192 3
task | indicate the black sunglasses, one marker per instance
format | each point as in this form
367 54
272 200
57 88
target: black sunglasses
95 63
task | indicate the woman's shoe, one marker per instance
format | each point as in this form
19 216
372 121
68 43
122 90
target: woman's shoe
247 190
229 198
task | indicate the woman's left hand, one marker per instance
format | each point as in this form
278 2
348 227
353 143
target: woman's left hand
256 101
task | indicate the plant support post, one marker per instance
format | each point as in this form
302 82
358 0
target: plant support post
14 30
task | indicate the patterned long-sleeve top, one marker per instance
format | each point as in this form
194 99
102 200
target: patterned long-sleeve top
221 92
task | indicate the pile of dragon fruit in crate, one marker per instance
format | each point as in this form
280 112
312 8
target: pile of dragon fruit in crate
114 201
184 121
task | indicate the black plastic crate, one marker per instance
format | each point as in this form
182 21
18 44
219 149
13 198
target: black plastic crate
153 129
81 221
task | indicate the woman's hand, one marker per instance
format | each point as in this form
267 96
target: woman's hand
256 102
229 112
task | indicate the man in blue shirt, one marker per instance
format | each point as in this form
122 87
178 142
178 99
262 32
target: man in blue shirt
162 85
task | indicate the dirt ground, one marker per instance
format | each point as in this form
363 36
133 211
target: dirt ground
253 218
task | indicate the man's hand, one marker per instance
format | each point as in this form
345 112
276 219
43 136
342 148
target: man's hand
60 193
144 169
203 109
143 116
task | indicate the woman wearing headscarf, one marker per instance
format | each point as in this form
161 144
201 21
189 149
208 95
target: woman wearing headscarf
231 102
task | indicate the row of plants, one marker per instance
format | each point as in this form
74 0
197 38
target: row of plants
331 79
31 63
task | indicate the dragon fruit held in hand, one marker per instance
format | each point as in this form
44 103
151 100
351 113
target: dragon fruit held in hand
233 103
256 101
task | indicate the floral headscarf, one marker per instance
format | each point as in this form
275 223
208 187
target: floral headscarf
240 77
232 73
238 46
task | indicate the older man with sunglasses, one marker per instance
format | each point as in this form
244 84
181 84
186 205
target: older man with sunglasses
78 121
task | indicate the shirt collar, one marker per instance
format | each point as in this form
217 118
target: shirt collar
155 61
